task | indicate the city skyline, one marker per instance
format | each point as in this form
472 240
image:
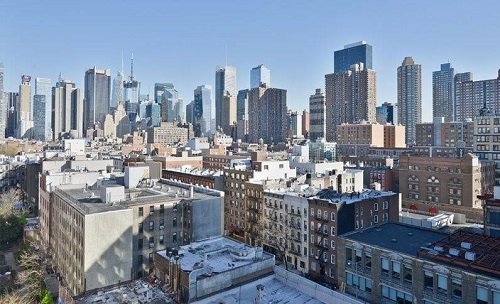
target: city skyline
155 62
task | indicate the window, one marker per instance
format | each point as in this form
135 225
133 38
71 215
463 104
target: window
162 209
139 260
385 205
396 270
375 206
151 210
358 257
375 219
332 259
151 225
161 239
332 216
385 266
281 166
151 242
141 211
407 274
359 282
141 228
332 243
442 284
428 280
496 297
139 244
174 222
396 295
348 256
174 237
481 295
456 288
332 231
368 261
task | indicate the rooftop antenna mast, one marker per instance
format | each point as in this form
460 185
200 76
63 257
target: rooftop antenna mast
122 62
225 52
132 68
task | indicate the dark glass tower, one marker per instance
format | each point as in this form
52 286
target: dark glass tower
352 54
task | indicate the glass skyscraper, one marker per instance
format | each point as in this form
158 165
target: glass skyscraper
42 115
202 109
352 54
260 74
387 113
97 96
225 84
4 107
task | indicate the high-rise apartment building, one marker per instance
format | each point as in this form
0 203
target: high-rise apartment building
242 115
410 97
295 125
267 115
387 113
317 119
12 106
443 89
202 109
350 97
464 96
445 134
67 110
260 74
42 117
354 53
118 90
225 84
4 107
24 116
97 94
189 112
305 123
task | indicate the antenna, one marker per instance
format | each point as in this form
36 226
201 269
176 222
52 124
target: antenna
225 52
132 68
122 62
60 76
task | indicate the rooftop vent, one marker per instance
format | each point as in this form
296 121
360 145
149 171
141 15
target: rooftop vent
465 245
438 248
454 251
470 256
394 240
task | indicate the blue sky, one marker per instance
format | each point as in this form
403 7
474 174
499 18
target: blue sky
183 41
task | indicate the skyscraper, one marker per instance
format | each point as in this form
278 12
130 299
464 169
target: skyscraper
4 107
42 117
443 90
118 90
42 113
267 115
97 96
24 116
225 83
260 74
189 112
131 93
228 112
67 110
202 109
358 52
12 106
305 123
464 96
350 98
168 97
387 113
410 97
317 119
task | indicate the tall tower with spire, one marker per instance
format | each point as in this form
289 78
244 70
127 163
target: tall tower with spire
131 93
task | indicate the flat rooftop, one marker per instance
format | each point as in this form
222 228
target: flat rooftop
466 249
349 198
88 200
219 255
138 291
397 237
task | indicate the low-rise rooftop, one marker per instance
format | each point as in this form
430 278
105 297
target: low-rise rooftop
349 198
395 237
216 255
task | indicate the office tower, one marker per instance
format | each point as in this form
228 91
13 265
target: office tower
4 107
267 115
24 121
387 113
118 90
97 94
179 110
189 112
242 105
305 123
202 110
260 74
317 120
228 118
410 97
153 111
464 96
355 53
225 84
41 118
12 106
131 93
168 97
67 110
350 97
443 92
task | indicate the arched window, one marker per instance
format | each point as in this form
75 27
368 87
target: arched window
413 178
433 180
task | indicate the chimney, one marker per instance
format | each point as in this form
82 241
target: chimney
259 299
